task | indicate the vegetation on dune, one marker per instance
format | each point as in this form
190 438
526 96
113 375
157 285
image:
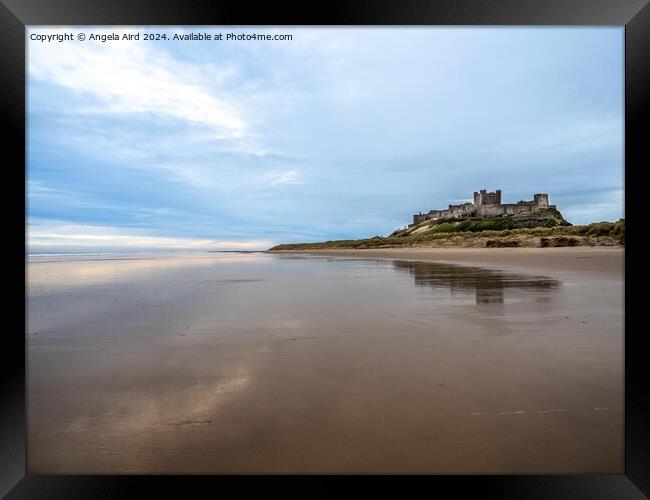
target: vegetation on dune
485 233
474 226
548 217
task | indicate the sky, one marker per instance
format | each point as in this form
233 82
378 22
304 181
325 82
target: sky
334 134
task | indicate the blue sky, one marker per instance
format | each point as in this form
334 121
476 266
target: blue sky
335 134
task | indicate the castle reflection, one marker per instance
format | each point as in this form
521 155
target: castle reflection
489 286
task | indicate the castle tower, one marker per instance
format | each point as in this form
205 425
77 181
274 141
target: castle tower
485 198
541 199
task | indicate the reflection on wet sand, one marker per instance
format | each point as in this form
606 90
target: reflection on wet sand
280 364
488 285
89 270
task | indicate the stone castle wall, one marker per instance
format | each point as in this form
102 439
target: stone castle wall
485 205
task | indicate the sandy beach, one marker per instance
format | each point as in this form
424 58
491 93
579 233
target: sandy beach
496 361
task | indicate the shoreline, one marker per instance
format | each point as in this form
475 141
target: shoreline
608 261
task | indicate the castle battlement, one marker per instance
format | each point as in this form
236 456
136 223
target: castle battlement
486 204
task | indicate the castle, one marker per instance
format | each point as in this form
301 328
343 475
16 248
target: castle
485 205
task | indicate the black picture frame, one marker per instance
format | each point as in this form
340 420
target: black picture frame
15 15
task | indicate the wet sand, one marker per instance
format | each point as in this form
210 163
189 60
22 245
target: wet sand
509 363
600 260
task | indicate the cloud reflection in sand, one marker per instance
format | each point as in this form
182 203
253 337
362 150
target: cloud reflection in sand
87 270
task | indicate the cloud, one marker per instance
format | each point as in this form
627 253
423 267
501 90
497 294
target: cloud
603 205
46 236
196 176
283 177
572 139
126 78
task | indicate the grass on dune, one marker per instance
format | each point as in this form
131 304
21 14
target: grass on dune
467 230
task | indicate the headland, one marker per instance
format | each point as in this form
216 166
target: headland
486 223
